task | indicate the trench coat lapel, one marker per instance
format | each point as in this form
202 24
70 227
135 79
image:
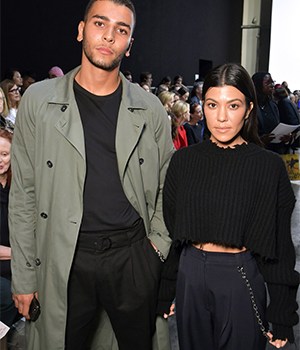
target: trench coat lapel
70 126
69 122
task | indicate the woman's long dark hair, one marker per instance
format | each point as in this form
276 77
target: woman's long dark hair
233 74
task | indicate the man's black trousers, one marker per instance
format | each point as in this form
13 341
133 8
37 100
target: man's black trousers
119 272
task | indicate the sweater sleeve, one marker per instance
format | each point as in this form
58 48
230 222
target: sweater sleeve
169 272
169 196
281 278
167 286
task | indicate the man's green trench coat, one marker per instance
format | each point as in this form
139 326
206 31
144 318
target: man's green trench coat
46 197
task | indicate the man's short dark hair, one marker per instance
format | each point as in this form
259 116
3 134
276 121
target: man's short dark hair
126 3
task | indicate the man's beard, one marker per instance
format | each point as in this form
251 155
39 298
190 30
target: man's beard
99 63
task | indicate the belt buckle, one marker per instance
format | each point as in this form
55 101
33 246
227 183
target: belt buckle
104 244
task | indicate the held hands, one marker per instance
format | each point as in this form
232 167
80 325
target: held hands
22 303
171 312
278 343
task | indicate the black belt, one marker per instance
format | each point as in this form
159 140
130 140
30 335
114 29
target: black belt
104 240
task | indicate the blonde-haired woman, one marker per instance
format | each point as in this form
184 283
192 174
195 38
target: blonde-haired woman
3 110
167 100
13 97
180 115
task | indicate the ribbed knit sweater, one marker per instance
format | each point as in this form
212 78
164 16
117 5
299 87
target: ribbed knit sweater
238 197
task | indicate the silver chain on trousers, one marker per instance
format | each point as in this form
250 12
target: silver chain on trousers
254 305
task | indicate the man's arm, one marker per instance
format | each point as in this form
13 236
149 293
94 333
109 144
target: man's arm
159 235
22 212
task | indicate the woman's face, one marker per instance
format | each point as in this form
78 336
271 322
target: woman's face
268 85
170 103
14 94
4 155
17 78
185 97
185 117
225 111
197 115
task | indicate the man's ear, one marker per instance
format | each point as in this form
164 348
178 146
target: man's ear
127 54
80 31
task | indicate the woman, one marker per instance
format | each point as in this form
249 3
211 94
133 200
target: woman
196 93
3 109
288 112
167 100
13 97
195 127
268 114
231 201
183 93
15 75
8 312
180 114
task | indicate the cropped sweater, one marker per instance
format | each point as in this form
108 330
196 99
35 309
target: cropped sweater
238 197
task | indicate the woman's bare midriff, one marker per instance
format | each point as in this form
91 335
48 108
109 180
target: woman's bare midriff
216 248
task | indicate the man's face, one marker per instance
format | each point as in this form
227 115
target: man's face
106 34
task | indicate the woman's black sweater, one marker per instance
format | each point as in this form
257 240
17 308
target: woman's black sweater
238 197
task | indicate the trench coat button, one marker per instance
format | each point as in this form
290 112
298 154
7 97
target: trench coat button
63 108
141 161
37 262
44 215
50 164
28 264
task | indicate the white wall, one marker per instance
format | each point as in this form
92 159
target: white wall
284 62
250 36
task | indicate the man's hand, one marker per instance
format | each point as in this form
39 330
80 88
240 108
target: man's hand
22 303
171 312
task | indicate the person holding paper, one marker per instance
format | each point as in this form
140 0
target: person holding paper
268 114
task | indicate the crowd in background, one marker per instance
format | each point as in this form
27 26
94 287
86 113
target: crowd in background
278 104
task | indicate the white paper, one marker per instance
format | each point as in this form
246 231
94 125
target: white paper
281 130
3 329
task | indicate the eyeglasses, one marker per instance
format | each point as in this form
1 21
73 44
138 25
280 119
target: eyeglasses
16 90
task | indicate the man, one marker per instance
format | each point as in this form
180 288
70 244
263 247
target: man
29 78
89 159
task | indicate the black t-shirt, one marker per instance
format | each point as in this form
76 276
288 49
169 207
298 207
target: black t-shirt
105 205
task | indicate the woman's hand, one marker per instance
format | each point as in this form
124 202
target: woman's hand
278 343
286 138
267 138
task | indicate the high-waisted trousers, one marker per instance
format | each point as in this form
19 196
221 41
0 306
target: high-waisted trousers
213 304
118 272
